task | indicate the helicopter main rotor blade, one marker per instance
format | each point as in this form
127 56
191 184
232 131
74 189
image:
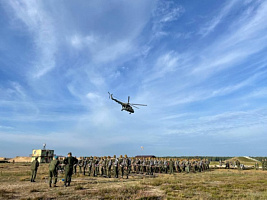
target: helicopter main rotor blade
128 99
136 107
135 104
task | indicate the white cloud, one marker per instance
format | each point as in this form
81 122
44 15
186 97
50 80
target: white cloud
213 23
40 24
92 96
165 13
80 42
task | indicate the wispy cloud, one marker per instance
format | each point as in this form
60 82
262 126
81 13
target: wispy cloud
166 12
215 21
40 24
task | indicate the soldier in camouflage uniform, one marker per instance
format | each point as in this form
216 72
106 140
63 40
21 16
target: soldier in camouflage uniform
160 165
187 166
84 165
69 163
127 166
227 165
143 165
121 165
53 167
34 168
105 163
116 167
151 166
75 167
96 166
101 169
171 165
133 164
138 165
93 166
80 163
237 164
109 165
90 163
165 165
256 165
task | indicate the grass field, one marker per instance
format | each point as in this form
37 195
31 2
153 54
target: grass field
215 184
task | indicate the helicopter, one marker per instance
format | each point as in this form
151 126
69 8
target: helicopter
126 106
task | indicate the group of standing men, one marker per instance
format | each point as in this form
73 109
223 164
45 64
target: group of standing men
104 166
68 162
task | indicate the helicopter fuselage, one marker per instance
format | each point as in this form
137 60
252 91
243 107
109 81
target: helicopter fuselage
127 108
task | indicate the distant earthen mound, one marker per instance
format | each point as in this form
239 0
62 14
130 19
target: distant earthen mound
21 159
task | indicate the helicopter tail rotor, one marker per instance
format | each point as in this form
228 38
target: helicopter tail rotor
110 95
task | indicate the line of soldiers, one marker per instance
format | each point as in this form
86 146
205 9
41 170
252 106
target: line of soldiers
104 166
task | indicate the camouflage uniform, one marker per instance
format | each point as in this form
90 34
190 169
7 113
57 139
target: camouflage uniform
75 168
101 169
93 166
69 163
138 166
227 165
151 166
84 165
53 167
80 163
238 164
165 165
171 165
116 167
109 165
96 167
90 162
126 163
105 166
34 168
187 166
121 164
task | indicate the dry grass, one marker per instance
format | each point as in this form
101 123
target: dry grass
215 184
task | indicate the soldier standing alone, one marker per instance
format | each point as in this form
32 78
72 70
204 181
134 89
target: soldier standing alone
34 168
69 162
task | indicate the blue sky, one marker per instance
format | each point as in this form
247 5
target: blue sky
200 66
